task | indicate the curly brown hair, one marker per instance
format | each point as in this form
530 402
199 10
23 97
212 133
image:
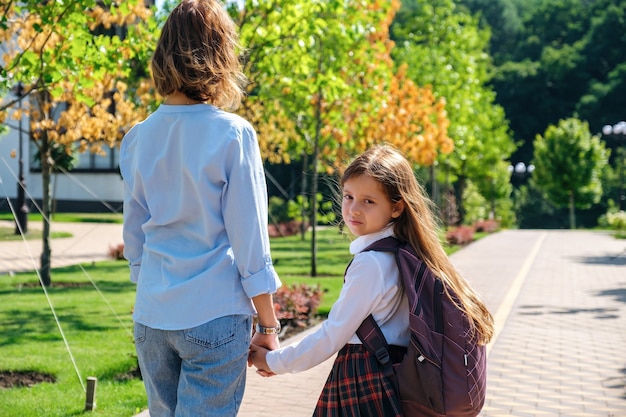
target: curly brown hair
197 55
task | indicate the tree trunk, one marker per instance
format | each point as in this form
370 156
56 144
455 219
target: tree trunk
434 188
446 199
314 183
314 163
305 169
572 213
314 216
621 160
46 203
459 189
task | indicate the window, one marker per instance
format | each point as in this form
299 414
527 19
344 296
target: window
88 161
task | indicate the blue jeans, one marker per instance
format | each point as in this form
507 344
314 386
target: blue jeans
195 372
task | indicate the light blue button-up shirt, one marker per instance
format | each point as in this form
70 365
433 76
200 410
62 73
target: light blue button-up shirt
195 216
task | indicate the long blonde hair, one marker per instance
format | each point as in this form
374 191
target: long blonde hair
417 226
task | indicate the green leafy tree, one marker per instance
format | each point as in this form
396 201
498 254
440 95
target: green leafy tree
569 61
445 48
603 47
544 77
568 166
300 56
295 54
504 19
83 68
321 73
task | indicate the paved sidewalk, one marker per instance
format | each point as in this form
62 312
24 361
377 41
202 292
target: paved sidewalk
89 242
558 297
559 300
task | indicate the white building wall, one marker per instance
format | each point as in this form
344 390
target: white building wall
82 187
9 167
75 186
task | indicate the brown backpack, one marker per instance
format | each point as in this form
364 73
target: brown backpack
444 372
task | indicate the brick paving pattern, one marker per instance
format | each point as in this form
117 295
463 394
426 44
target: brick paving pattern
562 350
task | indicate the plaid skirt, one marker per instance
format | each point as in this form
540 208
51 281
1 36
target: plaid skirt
357 387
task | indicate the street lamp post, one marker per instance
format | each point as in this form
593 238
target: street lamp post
521 170
519 173
21 214
618 131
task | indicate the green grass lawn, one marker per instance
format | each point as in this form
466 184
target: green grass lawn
96 320
98 333
8 233
72 217
97 324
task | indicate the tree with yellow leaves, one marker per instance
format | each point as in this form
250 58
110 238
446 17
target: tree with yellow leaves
325 67
82 65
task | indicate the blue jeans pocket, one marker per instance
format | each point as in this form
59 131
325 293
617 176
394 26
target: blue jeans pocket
139 333
214 333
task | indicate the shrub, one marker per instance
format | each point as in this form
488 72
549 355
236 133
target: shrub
300 206
617 220
286 228
278 210
296 305
117 252
462 235
487 226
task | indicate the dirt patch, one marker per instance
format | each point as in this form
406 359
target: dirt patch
10 379
134 373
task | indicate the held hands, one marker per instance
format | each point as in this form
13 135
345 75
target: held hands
268 341
256 357
265 337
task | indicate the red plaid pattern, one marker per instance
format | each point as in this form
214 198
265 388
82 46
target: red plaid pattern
356 387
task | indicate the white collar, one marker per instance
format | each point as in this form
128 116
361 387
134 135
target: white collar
362 242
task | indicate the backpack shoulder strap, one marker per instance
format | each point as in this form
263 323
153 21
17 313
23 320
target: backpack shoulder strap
375 343
387 244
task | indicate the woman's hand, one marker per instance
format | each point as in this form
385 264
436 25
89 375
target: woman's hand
268 341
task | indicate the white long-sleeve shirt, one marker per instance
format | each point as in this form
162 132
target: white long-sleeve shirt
195 216
372 285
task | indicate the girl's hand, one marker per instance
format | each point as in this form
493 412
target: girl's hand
257 357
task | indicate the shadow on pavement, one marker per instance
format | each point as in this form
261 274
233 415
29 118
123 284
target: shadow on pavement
618 382
537 310
619 294
609 259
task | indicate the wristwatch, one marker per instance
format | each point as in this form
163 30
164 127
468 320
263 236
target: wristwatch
268 330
